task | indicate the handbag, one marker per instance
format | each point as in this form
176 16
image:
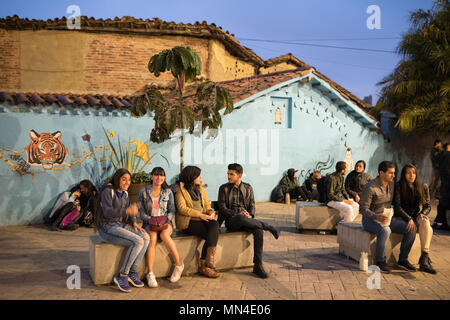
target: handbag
158 223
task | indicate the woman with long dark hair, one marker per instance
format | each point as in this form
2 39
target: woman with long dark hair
112 210
412 204
356 180
157 209
193 216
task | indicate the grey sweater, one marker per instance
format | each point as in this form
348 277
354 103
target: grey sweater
114 206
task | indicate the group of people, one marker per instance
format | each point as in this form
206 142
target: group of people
116 220
386 206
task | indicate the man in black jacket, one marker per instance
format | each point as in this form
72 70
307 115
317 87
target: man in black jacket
236 204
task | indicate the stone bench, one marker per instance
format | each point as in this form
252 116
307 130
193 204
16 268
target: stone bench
317 216
234 250
353 240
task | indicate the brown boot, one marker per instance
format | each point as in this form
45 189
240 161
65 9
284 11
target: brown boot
209 269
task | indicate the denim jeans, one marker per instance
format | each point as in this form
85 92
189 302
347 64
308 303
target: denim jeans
397 226
125 235
382 233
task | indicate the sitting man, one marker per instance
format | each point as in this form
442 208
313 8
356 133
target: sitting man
311 184
338 197
236 204
378 195
289 184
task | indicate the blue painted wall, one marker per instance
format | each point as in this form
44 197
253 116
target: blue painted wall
249 136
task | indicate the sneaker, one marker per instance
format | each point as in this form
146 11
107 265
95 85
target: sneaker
122 283
176 274
383 267
425 264
133 278
151 280
259 271
406 265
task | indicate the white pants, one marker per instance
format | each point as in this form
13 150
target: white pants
350 210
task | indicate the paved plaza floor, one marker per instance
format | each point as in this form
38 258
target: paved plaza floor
304 266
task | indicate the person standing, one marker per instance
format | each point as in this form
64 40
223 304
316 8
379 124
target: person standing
236 204
442 220
435 155
377 196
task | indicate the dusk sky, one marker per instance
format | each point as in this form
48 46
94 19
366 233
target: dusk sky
262 25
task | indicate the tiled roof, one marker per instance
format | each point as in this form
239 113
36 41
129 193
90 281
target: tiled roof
239 89
35 99
288 58
131 25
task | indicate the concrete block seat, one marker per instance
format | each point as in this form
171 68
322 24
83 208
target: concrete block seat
353 240
317 216
234 250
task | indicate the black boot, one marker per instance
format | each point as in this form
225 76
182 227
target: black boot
383 267
259 271
425 264
274 231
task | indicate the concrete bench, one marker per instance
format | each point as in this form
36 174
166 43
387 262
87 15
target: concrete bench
234 250
317 216
353 240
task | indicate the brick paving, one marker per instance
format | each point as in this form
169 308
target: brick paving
304 266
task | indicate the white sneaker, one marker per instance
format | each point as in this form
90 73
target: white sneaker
151 280
176 274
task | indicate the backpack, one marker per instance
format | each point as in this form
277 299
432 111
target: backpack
322 188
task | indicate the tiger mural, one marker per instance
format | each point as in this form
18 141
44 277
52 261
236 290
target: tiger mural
46 149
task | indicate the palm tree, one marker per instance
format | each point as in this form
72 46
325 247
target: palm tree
174 110
417 91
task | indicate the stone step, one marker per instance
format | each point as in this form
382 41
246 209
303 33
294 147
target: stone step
234 250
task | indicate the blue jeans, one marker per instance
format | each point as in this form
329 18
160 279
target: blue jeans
125 235
397 226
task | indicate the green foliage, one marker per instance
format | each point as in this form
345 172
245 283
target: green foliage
417 91
172 111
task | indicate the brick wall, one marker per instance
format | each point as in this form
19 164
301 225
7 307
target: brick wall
9 60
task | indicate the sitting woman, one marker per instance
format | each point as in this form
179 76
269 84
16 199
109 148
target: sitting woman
87 202
356 180
73 208
157 209
412 204
112 209
193 216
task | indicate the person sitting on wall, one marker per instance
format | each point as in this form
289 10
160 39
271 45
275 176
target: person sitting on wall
289 184
195 216
311 184
356 180
236 204
412 204
377 196
338 197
